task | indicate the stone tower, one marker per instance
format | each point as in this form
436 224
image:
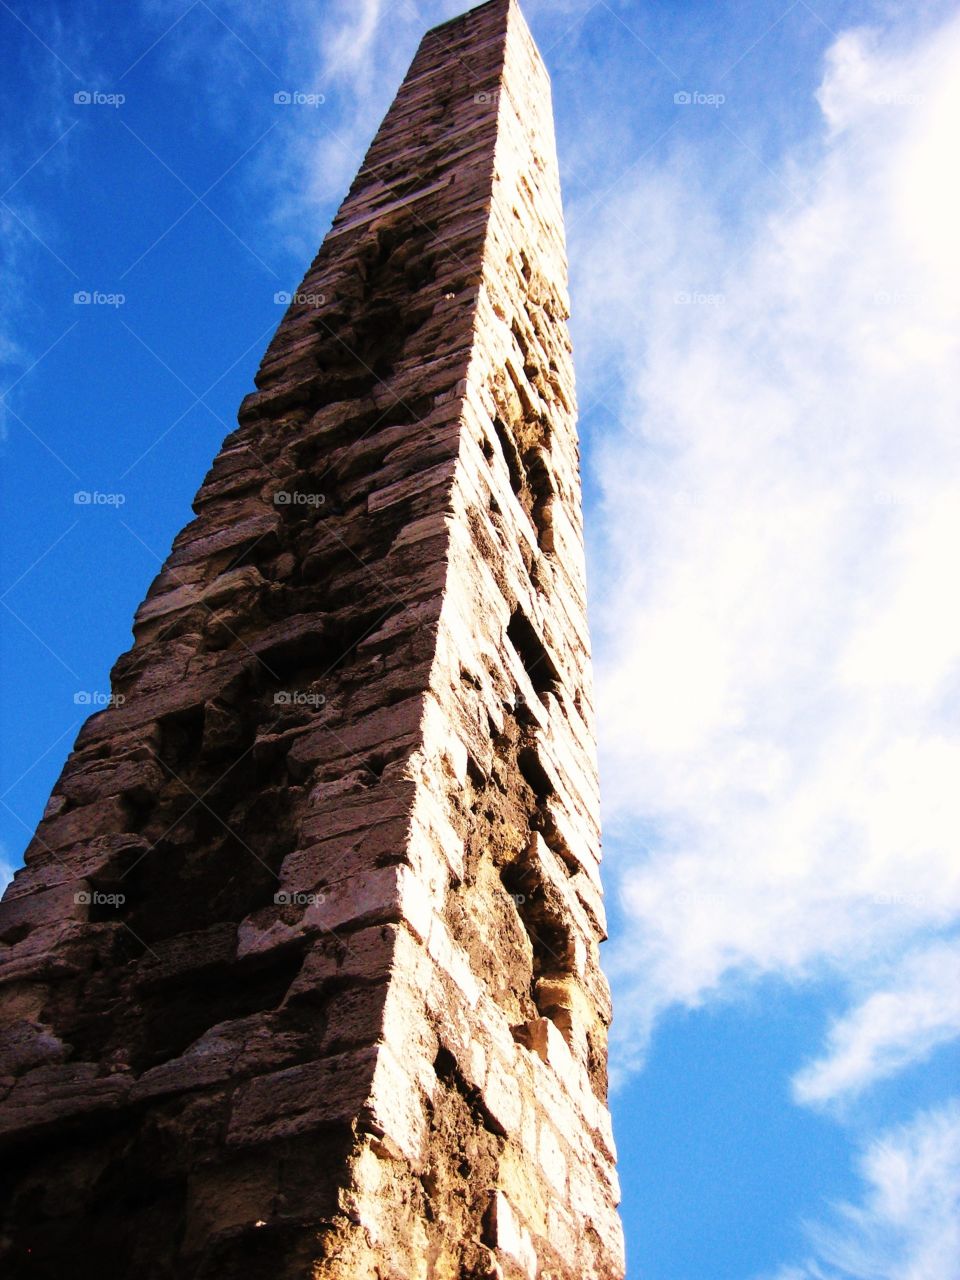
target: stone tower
300 979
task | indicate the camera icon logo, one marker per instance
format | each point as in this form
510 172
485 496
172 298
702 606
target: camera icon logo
82 298
83 98
683 98
283 99
282 298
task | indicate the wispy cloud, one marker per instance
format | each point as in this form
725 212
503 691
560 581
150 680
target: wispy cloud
6 867
352 31
907 1224
41 143
893 1028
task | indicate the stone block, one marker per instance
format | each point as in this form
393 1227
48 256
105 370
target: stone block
511 1236
501 1096
552 1159
18 916
302 1098
50 1095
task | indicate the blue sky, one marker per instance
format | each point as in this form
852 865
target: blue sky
761 203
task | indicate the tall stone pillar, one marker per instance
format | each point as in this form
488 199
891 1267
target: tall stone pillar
301 976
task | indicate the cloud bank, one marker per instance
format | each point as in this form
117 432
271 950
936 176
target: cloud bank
777 635
778 640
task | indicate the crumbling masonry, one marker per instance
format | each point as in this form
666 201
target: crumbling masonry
301 976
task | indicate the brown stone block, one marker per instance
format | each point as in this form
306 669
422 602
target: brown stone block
379 895
384 804
52 1094
25 1045
102 858
20 915
302 1098
237 1048
172 958
50 953
340 857
396 725
205 544
363 957
139 780
355 1018
105 816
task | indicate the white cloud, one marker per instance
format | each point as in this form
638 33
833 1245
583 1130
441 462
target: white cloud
892 1028
907 1225
778 638
348 40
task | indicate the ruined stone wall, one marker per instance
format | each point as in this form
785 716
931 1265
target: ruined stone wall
348 1018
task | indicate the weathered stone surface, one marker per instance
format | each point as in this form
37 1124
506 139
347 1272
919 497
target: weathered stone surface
302 1098
301 977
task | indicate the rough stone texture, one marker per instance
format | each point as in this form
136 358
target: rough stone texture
301 976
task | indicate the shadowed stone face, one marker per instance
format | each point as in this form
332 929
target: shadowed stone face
301 976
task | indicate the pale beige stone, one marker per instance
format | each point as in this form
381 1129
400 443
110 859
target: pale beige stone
512 1237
